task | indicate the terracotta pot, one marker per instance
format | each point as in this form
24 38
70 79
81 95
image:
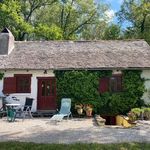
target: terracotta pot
89 112
80 111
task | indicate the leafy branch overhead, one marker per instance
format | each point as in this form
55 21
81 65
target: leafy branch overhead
75 19
63 19
137 13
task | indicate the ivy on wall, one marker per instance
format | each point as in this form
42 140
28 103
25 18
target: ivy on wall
82 87
1 75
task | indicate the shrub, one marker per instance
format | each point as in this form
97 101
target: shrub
82 87
146 113
137 112
132 116
1 75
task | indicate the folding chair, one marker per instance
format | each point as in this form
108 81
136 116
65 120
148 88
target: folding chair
26 110
64 110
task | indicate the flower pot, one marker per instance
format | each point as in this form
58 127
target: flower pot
89 112
80 111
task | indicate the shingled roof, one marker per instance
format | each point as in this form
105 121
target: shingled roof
77 55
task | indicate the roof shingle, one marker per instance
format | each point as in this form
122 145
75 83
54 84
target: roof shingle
77 55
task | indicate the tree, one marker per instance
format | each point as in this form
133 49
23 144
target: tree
72 16
29 9
137 12
10 16
18 15
48 33
53 19
112 32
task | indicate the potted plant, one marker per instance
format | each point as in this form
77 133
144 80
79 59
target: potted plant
79 108
88 109
146 113
132 116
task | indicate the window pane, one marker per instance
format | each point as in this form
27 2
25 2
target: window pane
43 88
113 84
23 83
116 83
48 92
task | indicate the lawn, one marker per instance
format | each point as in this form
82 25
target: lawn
78 146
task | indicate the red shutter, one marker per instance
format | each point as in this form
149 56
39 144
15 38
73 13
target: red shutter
9 85
104 85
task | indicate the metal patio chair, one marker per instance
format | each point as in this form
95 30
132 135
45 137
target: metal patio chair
64 110
26 109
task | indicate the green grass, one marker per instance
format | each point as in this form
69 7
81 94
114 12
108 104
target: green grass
78 146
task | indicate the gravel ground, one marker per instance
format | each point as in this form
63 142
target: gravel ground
42 130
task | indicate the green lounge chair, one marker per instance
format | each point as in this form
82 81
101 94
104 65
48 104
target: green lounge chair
64 110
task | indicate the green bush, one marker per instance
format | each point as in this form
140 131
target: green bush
146 113
137 112
80 86
1 75
132 116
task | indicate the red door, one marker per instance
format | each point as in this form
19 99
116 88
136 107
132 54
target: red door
46 93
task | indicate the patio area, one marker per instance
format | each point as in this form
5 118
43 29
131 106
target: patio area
41 130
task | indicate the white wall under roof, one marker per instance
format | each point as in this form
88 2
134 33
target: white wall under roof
34 84
40 73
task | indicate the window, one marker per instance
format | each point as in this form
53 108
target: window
112 84
48 87
20 83
23 83
115 83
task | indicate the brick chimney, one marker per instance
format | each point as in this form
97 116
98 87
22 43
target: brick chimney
6 42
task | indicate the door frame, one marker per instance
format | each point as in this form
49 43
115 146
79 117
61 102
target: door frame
46 78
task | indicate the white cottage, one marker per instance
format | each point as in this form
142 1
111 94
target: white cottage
28 67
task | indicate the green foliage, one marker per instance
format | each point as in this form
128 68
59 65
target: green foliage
112 32
53 19
76 146
10 16
48 33
1 75
130 97
82 87
146 113
136 113
133 86
137 13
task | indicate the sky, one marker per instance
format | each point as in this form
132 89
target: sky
114 7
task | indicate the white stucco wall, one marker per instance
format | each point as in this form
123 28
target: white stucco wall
34 84
146 75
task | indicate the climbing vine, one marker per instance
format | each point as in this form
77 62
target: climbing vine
1 75
82 87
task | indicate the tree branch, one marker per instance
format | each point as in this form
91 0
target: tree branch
82 24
